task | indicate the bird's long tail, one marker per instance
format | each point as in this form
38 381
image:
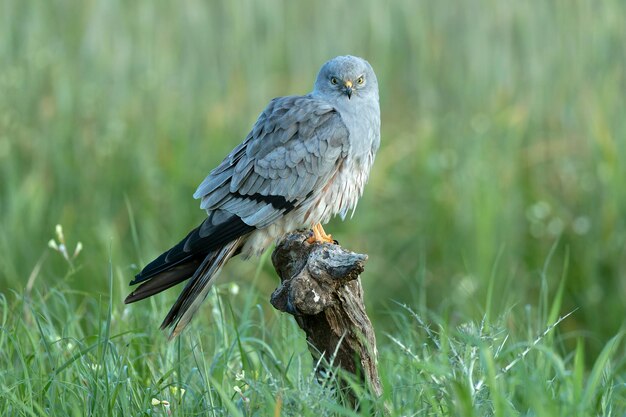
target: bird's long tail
198 287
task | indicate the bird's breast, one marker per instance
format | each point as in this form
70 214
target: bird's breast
347 187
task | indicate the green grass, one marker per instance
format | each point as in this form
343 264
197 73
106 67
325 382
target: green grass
65 352
496 199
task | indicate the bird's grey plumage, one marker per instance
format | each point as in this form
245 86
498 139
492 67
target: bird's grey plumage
306 159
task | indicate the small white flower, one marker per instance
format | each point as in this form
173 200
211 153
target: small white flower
240 376
234 288
59 232
79 248
240 392
63 251
60 246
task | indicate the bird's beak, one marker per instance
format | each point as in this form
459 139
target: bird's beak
348 89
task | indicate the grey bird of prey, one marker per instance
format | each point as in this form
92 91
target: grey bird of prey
306 159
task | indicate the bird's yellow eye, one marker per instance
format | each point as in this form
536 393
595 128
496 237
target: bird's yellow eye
334 80
360 80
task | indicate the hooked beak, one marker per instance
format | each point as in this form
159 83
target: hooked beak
348 89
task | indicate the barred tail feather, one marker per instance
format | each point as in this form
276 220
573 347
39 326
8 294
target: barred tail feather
198 288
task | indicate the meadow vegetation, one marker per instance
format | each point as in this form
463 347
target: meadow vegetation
495 208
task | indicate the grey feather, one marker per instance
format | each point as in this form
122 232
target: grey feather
280 157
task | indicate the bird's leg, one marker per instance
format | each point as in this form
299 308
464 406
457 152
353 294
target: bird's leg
319 235
322 236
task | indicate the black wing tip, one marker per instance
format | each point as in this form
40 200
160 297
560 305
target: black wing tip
162 281
145 274
131 298
166 324
194 246
137 280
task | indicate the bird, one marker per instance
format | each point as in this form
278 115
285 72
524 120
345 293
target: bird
306 160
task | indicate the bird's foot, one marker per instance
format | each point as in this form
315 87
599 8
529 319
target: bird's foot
320 236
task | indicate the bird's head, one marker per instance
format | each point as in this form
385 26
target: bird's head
348 78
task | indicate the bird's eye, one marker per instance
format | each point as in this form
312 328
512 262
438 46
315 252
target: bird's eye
334 80
360 80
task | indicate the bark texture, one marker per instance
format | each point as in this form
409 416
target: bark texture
320 287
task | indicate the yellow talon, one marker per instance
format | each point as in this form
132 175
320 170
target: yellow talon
319 235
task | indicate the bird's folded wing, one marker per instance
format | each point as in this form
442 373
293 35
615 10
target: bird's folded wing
293 150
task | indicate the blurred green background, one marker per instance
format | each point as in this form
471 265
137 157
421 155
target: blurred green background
503 136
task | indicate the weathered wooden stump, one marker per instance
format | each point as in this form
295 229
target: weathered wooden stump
320 287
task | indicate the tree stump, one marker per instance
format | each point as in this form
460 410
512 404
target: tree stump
320 287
